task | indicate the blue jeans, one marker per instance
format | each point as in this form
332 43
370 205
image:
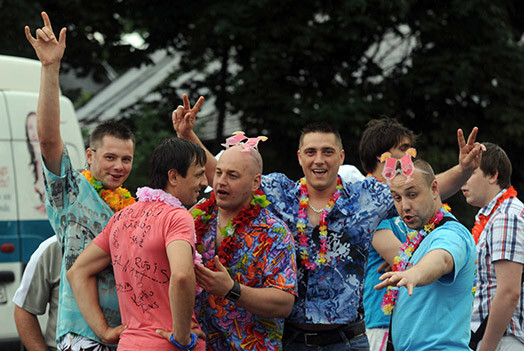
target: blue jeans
358 343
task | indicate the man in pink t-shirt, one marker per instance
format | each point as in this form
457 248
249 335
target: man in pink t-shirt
151 245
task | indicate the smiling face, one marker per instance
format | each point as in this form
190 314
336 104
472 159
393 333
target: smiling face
237 177
320 157
416 201
188 187
110 160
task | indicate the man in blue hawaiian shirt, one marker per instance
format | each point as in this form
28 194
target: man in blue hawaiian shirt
75 207
333 223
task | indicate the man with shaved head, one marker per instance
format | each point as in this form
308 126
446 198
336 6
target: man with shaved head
248 272
433 275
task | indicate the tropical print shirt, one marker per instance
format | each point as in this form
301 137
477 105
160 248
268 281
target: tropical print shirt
264 259
332 293
78 214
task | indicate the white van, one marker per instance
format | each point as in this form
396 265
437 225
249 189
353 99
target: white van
23 221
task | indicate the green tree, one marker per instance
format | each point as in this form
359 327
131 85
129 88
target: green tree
434 66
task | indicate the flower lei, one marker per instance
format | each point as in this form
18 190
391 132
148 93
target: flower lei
481 222
117 199
303 239
400 262
204 213
147 194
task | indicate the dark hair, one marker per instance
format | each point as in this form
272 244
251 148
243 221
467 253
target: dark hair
494 160
320 127
114 129
173 153
33 163
380 136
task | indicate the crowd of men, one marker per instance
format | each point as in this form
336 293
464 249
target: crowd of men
268 263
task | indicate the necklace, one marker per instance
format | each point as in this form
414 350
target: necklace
116 199
147 194
408 248
481 222
204 213
303 239
315 209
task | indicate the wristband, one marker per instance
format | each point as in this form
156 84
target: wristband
192 343
234 293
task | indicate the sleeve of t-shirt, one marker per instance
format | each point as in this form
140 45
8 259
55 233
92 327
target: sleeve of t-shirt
34 292
60 189
507 239
276 185
102 239
181 226
385 224
457 242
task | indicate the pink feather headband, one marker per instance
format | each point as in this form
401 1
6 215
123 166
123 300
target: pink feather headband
239 138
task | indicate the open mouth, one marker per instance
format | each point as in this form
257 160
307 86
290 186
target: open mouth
319 171
222 192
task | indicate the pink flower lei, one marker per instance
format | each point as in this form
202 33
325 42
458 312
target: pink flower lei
400 262
146 194
303 239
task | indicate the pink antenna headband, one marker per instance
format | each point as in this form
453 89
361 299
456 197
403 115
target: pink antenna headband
247 144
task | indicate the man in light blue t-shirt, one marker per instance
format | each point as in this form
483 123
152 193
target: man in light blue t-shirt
435 315
79 204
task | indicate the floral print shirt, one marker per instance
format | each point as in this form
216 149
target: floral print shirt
264 259
332 294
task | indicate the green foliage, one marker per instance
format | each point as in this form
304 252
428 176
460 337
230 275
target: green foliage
282 64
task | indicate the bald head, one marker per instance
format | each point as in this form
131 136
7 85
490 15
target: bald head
237 177
251 157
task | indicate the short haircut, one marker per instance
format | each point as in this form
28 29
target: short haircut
177 154
494 160
320 127
380 136
425 169
112 128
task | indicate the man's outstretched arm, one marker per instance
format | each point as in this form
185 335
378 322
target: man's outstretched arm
50 52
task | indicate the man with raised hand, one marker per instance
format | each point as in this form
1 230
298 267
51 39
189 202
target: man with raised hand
79 204
499 233
433 275
386 136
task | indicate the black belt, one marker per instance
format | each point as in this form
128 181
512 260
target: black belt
323 337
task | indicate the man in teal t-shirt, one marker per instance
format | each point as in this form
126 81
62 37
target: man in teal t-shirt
435 315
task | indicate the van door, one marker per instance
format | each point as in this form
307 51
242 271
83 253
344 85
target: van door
10 245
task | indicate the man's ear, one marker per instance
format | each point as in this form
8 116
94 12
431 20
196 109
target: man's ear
299 159
434 188
89 155
342 156
172 177
493 178
256 182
